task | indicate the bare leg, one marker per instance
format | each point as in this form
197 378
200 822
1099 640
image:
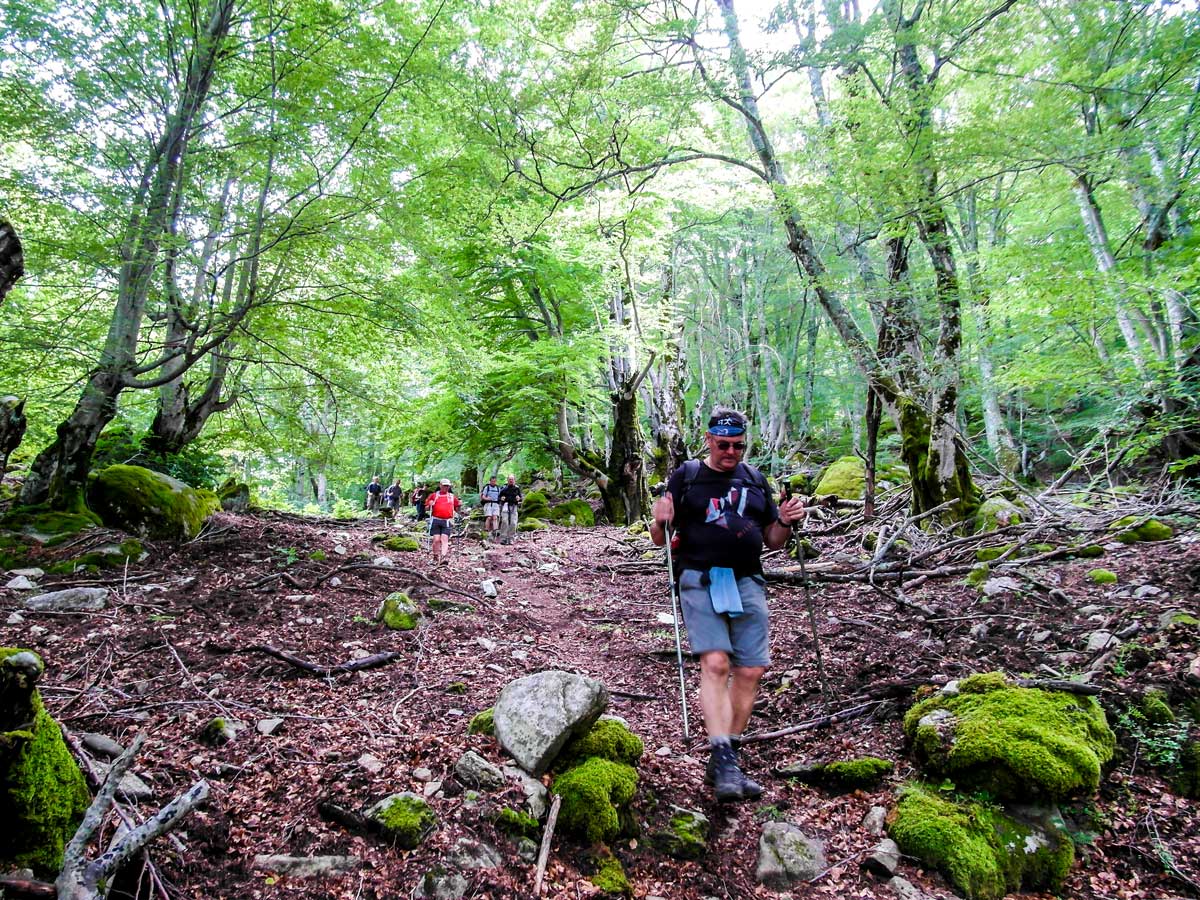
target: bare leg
715 694
742 691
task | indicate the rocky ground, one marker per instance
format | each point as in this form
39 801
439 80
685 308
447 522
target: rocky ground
180 644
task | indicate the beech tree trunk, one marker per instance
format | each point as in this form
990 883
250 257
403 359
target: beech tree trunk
936 459
58 474
12 258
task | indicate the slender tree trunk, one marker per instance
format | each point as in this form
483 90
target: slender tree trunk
12 258
938 465
58 474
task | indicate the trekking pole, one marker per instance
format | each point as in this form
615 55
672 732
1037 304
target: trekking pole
812 620
676 612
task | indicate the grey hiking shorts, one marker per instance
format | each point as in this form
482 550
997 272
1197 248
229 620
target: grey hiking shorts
439 526
743 637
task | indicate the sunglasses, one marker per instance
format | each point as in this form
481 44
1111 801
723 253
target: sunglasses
735 446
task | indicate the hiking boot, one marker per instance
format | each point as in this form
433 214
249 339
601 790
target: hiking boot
727 778
750 789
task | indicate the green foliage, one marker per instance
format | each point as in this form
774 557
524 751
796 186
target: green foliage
1160 743
594 794
1014 743
1102 576
1187 782
865 772
981 850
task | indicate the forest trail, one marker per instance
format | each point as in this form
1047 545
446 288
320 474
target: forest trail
173 651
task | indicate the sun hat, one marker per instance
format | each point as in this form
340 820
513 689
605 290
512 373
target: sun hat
445 481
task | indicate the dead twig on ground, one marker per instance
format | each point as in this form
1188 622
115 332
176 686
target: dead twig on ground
547 838
355 665
823 722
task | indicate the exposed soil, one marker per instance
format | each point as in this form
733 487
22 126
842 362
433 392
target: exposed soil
170 655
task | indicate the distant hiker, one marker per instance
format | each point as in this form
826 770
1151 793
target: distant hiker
442 506
419 494
489 498
393 498
510 499
723 513
374 494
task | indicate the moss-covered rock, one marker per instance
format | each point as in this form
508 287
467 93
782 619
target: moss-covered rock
404 819
609 738
234 495
1088 551
44 524
442 605
1015 743
401 543
636 529
978 575
1102 576
1150 530
802 482
398 612
686 835
863 773
1156 709
483 722
1187 782
846 478
610 877
984 852
42 793
535 505
595 798
996 512
573 512
987 554
530 524
149 504
517 824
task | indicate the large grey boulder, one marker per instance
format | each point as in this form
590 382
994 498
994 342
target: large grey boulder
536 715
70 600
787 855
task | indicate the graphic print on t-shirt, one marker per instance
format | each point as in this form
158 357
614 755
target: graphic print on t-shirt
718 506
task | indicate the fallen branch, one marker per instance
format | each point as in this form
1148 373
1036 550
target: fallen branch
823 722
547 838
1058 684
84 879
355 665
12 886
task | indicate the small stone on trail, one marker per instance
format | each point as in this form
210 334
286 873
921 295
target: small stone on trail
384 561
906 890
1146 590
487 587
334 582
994 586
14 619
1101 640
69 600
786 855
34 574
21 583
486 643
979 631
371 763
431 788
268 727
422 774
101 745
883 859
874 820
339 550
1040 636
473 769
663 751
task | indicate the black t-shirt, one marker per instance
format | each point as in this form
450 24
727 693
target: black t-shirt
721 518
510 494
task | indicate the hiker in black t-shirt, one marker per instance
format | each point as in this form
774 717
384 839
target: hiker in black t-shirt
374 494
723 513
510 499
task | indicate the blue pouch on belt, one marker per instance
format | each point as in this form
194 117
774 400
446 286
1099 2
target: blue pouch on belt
723 591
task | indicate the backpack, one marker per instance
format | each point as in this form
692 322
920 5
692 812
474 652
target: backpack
748 474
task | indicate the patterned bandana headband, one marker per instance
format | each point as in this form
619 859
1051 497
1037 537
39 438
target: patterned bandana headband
726 426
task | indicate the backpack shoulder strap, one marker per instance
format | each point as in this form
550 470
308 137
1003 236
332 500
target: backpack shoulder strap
753 475
691 468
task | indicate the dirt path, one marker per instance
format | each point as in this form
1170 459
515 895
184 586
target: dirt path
171 655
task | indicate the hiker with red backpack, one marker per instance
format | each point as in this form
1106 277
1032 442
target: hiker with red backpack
723 512
442 506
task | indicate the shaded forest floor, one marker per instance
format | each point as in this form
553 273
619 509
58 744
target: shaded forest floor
171 654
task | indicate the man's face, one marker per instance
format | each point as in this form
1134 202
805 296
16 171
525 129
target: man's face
724 453
512 479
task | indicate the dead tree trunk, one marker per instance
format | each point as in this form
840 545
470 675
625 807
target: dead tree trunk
12 258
